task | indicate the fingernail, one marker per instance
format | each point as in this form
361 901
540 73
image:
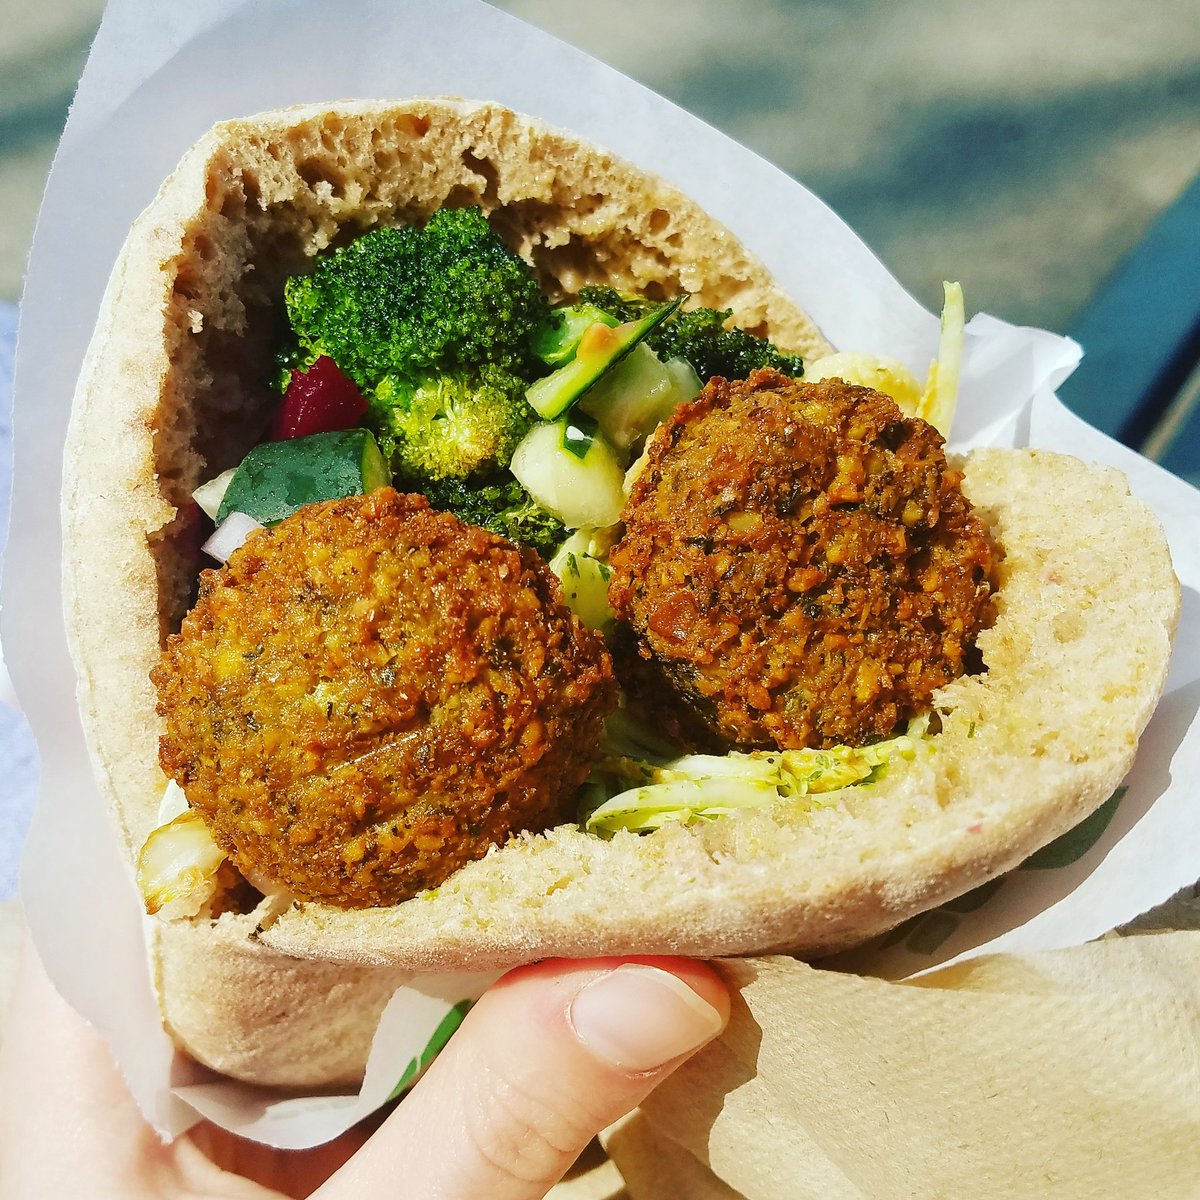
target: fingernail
638 1017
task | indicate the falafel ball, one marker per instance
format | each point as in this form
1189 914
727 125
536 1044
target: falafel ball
371 694
799 568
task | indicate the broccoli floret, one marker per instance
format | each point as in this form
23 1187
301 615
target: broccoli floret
409 301
289 357
698 335
502 506
449 426
435 324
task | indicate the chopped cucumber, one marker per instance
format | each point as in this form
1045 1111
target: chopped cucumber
277 478
584 580
578 433
209 495
579 491
686 381
557 342
600 348
632 400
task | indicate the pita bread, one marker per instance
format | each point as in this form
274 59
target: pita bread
172 392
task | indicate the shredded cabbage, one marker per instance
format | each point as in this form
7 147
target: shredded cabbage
702 787
938 403
935 402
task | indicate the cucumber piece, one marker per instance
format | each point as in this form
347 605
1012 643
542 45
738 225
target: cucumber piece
277 478
209 495
600 348
557 342
578 433
632 400
585 491
584 580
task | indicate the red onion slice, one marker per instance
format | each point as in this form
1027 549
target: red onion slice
229 535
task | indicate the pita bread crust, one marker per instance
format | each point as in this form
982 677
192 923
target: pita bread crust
170 395
247 1012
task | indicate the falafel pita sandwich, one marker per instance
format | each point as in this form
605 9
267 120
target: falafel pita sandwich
267 982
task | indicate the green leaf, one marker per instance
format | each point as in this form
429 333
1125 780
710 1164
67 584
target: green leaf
1075 843
437 1043
931 931
975 898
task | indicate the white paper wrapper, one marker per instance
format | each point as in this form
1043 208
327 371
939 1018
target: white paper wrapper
158 77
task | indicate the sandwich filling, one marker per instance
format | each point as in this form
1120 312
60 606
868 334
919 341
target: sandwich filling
386 683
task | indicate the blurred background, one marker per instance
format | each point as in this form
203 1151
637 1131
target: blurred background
1044 154
1024 148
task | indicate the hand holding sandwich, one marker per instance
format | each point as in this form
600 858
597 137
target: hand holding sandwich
548 1057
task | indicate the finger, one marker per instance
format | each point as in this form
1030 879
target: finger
64 1102
547 1058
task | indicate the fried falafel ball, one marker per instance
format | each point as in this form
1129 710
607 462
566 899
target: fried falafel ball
799 568
371 694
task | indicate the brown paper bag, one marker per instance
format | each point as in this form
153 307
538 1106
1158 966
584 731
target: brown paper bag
1074 1074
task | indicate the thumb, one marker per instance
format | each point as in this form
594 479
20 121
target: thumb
547 1058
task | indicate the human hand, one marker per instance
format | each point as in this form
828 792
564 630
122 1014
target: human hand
547 1058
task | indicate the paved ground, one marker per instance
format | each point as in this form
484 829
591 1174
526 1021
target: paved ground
42 51
1022 148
